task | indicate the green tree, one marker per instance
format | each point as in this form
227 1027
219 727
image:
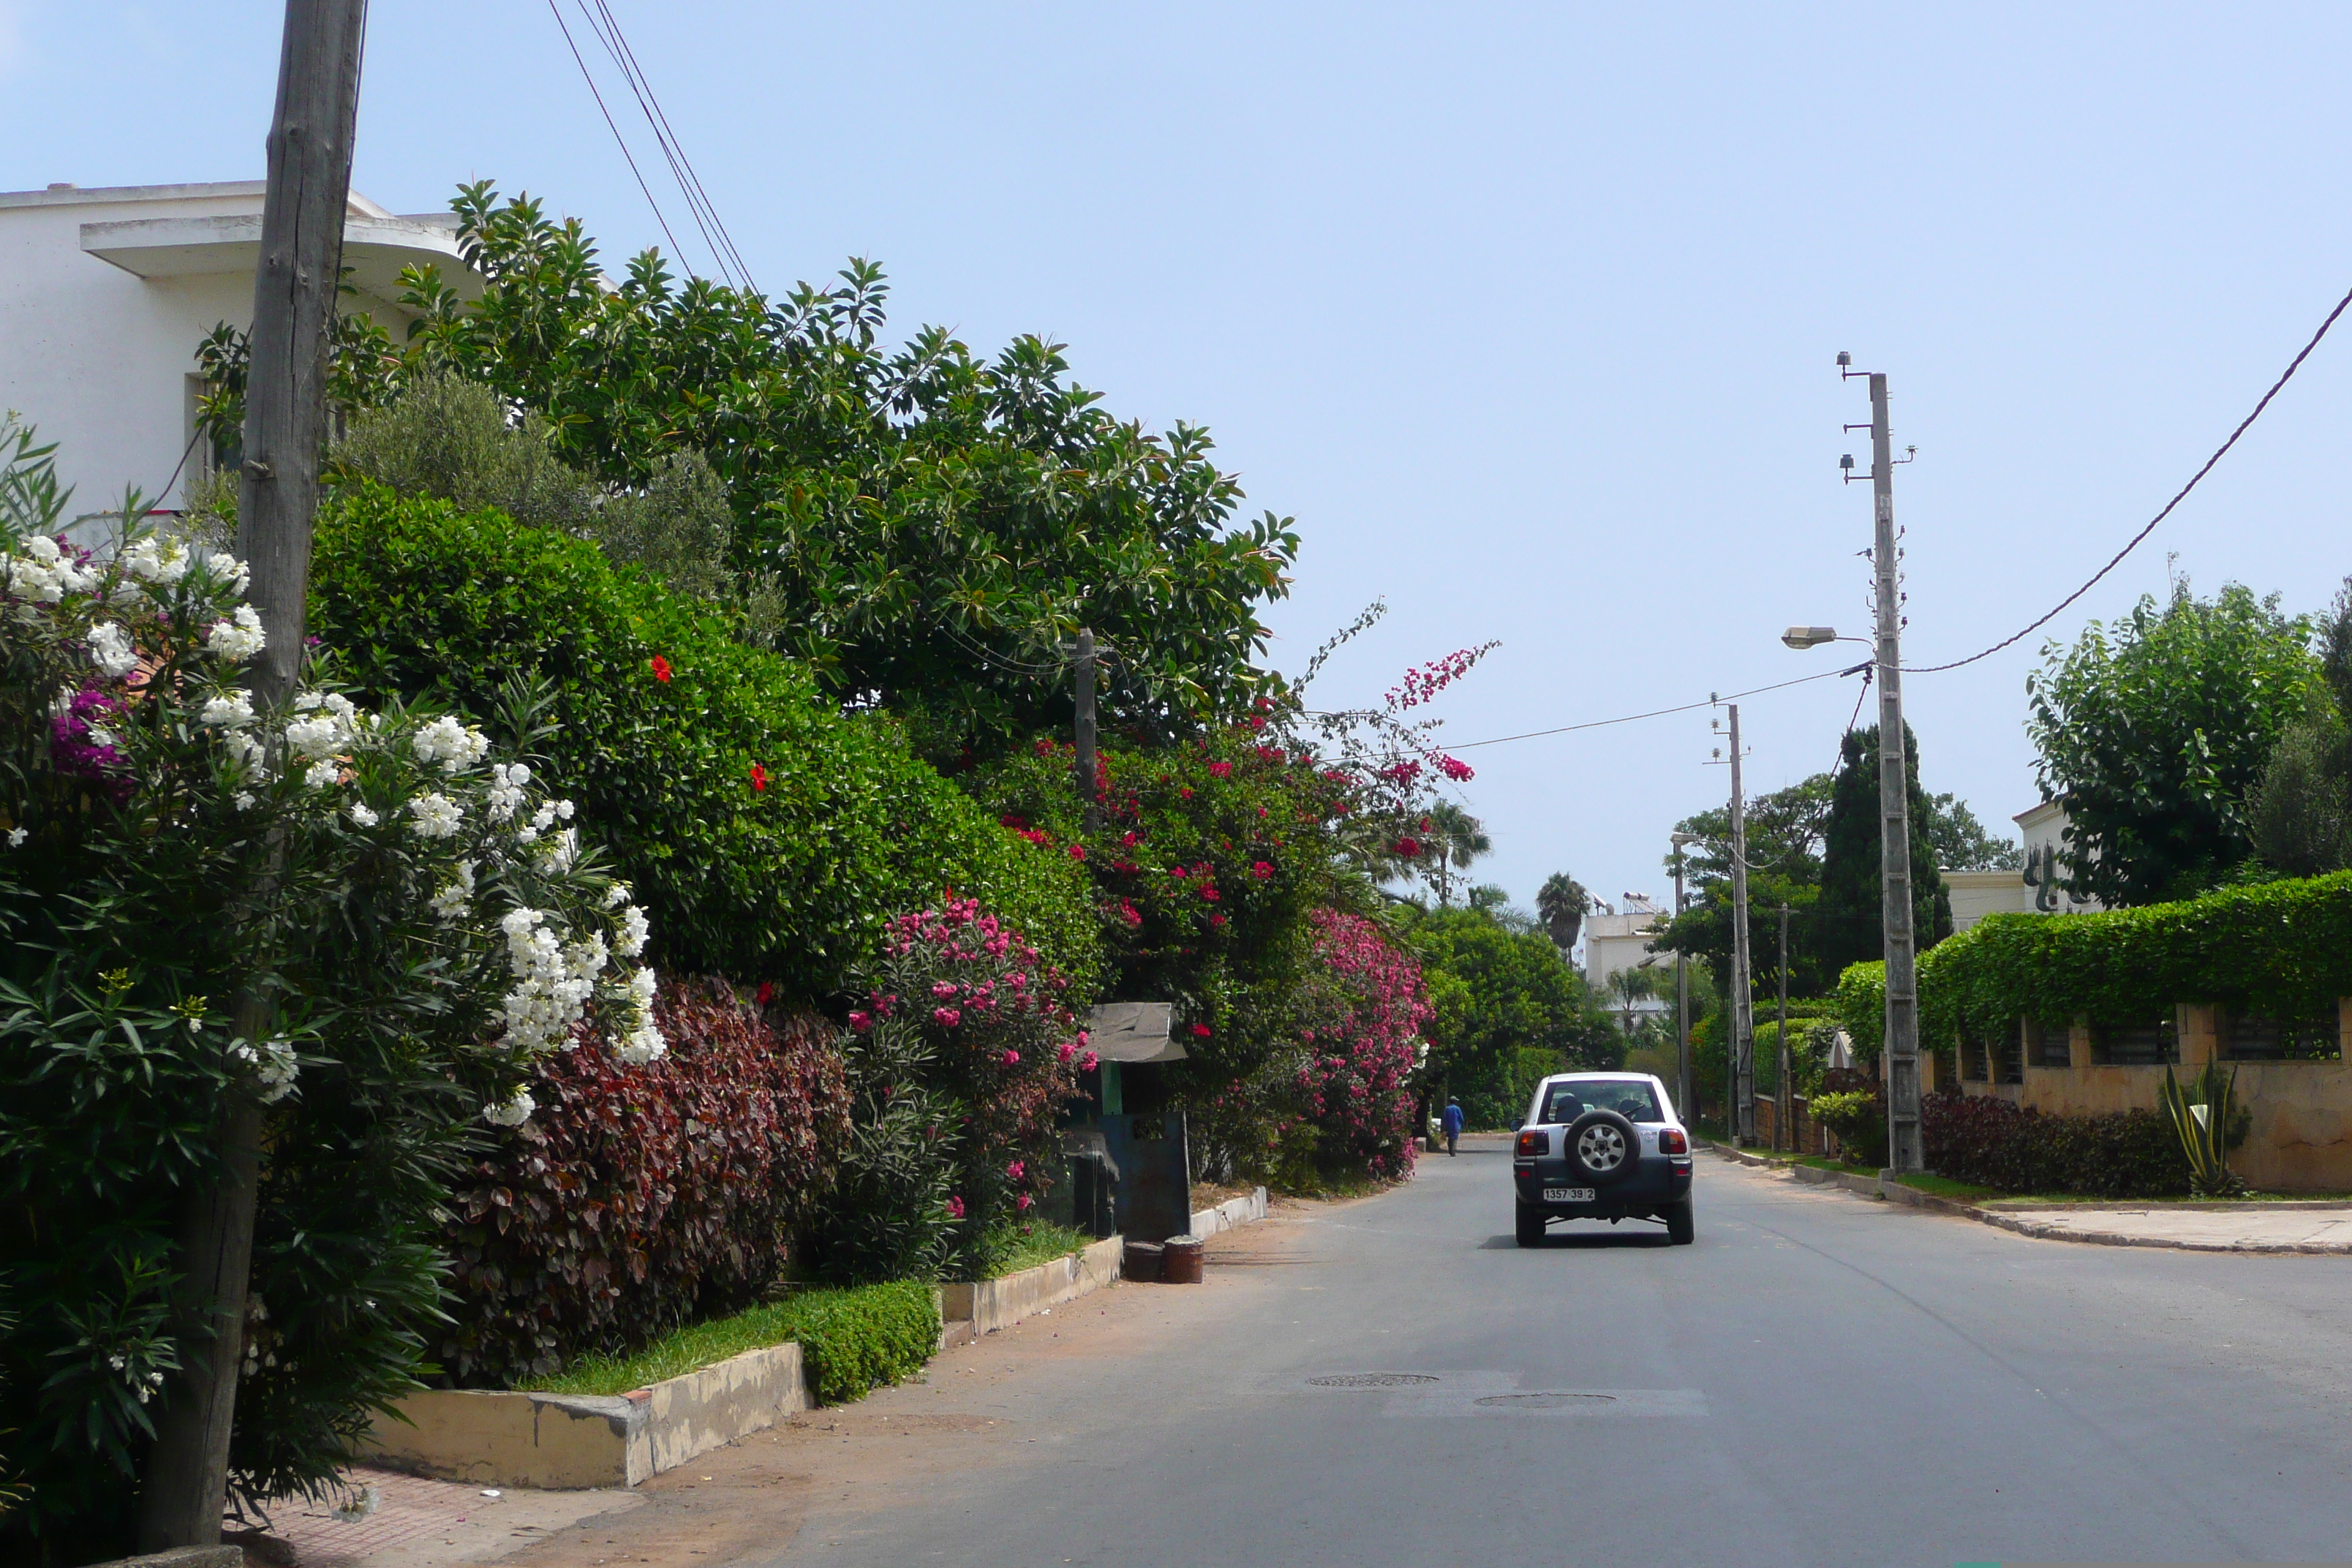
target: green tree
2299 814
1453 842
1784 838
2153 733
1494 993
1849 919
1961 843
936 524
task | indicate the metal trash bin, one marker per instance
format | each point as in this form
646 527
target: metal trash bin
1141 1262
1180 1260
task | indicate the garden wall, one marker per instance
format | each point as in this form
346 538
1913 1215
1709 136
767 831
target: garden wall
2301 1135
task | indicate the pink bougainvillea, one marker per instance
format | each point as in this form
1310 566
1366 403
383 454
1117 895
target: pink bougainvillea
1360 1021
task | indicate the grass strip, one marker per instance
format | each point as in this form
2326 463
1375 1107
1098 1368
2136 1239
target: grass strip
851 1340
1015 1247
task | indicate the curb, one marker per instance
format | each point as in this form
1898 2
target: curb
1895 1191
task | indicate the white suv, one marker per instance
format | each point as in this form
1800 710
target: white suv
1602 1145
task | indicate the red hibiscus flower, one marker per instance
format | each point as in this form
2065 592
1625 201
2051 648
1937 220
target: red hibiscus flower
759 777
661 670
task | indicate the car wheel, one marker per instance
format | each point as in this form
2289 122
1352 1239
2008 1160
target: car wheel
1602 1147
1530 1226
1682 1223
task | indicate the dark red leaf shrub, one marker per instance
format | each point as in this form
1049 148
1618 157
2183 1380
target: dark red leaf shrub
1995 1143
636 1199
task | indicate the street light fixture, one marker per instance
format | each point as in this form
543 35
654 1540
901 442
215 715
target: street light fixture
1802 638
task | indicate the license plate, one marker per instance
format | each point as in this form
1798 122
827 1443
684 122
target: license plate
1567 1194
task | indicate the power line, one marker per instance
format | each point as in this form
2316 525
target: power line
741 268
589 76
1659 712
2242 426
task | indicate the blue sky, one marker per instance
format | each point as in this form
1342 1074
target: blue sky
1526 314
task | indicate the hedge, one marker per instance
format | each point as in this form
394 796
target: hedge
638 1199
1995 1143
2279 948
766 833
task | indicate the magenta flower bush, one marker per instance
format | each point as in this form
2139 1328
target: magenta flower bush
963 1059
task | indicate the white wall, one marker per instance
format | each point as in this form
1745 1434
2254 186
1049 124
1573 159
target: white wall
98 358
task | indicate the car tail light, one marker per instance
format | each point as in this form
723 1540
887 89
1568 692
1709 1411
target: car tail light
1530 1145
1672 1141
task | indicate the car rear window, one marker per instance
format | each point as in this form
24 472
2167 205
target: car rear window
1629 1098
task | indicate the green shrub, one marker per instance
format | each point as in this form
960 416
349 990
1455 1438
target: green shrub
766 833
1998 1143
851 1340
1858 1117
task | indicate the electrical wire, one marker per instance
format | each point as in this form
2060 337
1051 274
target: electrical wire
587 76
741 268
1659 712
2218 454
601 21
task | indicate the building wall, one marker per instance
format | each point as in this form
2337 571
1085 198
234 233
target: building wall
2301 1134
1976 894
97 358
1615 941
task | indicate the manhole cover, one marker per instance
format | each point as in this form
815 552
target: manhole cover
1546 1401
1371 1379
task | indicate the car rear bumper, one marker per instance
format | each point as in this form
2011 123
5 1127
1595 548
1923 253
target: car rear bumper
1660 1184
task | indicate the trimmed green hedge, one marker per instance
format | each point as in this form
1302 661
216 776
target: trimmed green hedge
851 1340
2281 948
785 874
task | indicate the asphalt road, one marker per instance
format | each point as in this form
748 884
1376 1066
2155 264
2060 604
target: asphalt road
1820 1379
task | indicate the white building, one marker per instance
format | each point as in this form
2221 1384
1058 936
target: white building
2038 888
1619 939
104 295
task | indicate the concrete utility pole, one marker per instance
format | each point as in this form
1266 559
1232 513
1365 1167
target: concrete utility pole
1903 1144
1784 1109
1087 800
1682 1085
295 289
1743 1009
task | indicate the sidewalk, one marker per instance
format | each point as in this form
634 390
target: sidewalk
2248 1228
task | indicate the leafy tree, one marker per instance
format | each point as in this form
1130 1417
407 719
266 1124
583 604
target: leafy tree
1784 836
1454 841
1961 843
936 524
1848 919
1630 985
1493 994
1561 904
2300 814
2154 734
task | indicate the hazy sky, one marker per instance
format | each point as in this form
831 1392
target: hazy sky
1526 314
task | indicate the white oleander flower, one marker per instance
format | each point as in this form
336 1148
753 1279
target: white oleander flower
562 851
238 639
243 801
44 571
617 895
321 774
16 835
231 709
451 901
320 732
634 930
157 559
513 1113
110 650
363 817
644 1043
274 1065
437 816
450 744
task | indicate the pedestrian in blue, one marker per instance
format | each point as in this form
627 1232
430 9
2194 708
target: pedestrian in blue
1452 1122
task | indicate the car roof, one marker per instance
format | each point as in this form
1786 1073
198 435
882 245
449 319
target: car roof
1605 1077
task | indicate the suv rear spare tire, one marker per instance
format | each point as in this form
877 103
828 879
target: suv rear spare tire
1602 1147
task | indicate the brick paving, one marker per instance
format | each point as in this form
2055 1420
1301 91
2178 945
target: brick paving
417 1522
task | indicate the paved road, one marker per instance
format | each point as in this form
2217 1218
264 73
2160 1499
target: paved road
1820 1379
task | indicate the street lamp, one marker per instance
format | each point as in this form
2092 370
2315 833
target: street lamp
1802 638
1682 991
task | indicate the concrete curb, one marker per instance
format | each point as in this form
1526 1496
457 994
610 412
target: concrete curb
987 1305
568 1441
182 1557
2010 1219
1233 1212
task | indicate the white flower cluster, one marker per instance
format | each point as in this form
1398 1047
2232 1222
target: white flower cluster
238 639
450 903
45 571
513 1113
454 746
155 559
143 1384
644 1042
110 650
232 713
327 727
553 980
437 816
274 1066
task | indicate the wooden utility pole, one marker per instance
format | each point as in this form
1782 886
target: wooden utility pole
295 291
1743 1006
1089 801
1784 1106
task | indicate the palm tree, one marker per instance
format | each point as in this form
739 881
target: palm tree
1631 985
1563 905
1457 838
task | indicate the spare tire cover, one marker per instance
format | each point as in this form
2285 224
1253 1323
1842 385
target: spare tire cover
1602 1147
